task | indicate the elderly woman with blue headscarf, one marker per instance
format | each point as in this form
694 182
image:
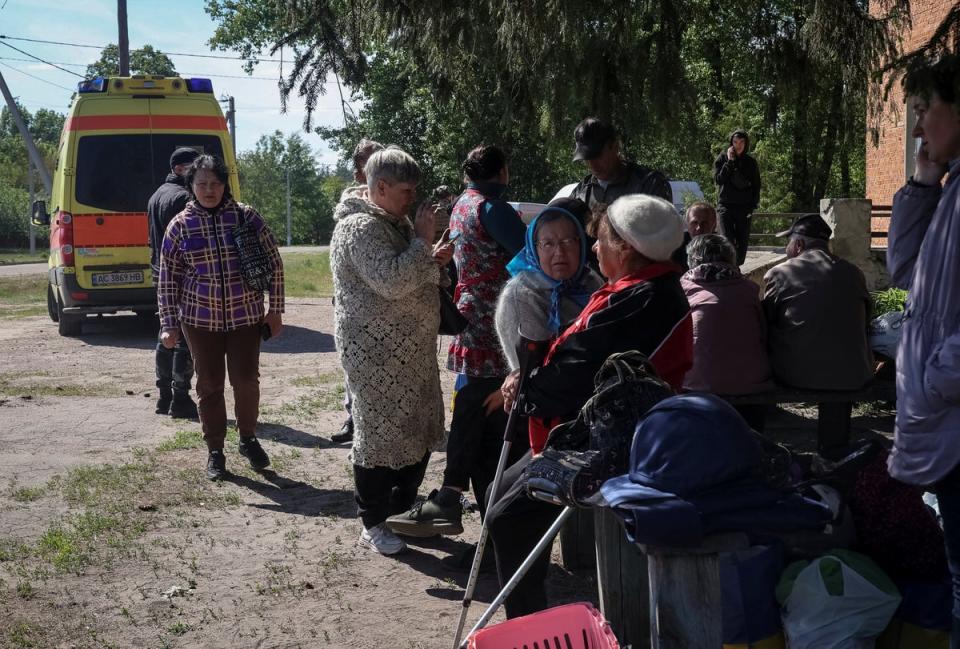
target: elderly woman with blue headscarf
551 281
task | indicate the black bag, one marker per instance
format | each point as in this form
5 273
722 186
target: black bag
582 454
255 266
452 321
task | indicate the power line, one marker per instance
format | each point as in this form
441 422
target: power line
33 76
41 60
192 74
101 47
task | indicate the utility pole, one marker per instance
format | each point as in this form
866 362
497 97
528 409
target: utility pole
123 44
33 228
289 215
27 138
231 121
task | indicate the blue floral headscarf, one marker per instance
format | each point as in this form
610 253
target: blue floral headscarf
527 260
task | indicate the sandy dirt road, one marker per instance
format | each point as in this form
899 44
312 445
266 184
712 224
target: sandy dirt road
110 537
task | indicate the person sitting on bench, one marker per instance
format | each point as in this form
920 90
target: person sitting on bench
641 307
817 308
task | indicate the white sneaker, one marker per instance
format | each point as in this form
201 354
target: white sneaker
381 538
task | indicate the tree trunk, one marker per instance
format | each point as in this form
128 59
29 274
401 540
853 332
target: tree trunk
834 118
800 183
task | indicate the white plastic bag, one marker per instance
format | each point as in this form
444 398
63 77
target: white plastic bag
815 619
885 333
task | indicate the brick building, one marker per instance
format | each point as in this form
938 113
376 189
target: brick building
891 163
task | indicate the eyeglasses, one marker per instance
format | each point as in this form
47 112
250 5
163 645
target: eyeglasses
549 245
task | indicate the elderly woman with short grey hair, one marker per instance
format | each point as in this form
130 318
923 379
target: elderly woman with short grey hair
385 277
729 329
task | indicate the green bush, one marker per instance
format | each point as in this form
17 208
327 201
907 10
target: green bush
893 299
14 219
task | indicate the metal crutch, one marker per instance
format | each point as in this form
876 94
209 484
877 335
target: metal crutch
529 353
538 549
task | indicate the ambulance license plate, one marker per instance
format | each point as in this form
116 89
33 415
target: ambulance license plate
125 277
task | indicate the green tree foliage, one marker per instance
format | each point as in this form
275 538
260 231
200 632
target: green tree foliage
45 126
145 60
675 75
263 176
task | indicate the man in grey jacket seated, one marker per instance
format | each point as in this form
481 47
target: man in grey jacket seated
817 307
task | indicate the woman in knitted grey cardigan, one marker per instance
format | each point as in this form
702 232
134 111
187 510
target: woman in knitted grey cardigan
551 282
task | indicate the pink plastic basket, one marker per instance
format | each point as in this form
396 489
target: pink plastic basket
571 626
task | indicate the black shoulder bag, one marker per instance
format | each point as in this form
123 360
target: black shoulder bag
255 266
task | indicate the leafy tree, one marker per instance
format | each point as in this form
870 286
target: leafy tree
145 60
45 126
675 75
263 176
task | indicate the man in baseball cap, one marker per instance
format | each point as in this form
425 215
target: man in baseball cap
598 147
174 366
809 225
817 308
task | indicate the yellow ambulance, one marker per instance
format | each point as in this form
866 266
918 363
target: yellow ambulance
114 152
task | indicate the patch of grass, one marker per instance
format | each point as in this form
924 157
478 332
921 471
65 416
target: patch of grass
317 380
179 628
327 398
873 409
25 590
307 274
21 256
24 635
27 384
28 494
81 539
12 550
93 486
182 440
23 296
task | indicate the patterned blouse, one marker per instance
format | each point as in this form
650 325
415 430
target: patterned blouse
481 266
200 283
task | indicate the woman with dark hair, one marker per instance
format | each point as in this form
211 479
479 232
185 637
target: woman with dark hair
488 234
202 292
922 259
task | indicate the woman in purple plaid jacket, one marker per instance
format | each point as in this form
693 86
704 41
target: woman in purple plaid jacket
202 292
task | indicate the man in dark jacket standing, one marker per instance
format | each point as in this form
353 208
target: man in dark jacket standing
174 366
598 146
738 182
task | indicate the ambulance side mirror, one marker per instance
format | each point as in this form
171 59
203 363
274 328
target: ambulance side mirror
40 216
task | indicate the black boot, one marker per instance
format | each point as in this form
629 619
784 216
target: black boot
183 407
164 401
346 433
216 464
250 448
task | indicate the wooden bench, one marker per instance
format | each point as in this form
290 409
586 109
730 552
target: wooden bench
661 598
834 408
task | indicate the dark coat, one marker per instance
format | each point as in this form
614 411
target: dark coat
650 315
738 180
169 200
633 180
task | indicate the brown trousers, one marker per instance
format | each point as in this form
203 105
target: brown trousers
241 347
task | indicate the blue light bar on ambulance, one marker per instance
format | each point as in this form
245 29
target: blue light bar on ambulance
98 84
199 85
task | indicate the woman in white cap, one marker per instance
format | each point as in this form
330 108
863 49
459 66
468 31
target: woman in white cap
641 307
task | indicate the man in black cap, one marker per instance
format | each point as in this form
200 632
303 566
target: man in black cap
174 366
738 191
598 146
817 308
